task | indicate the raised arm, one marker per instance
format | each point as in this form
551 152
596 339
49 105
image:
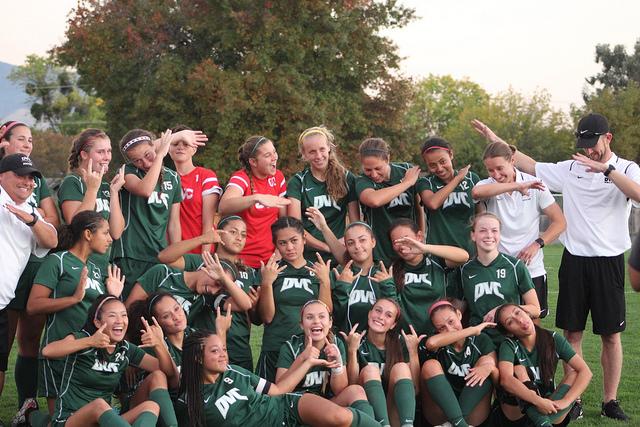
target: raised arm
434 201
523 162
116 219
378 198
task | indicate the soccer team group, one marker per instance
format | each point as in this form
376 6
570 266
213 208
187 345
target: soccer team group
387 298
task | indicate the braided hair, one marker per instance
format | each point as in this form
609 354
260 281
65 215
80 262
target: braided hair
192 373
248 151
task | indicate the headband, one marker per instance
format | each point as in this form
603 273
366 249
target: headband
134 141
255 147
11 125
228 219
374 152
436 147
364 224
110 297
439 304
314 301
153 300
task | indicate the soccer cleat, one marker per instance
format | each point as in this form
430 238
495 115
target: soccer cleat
576 412
20 419
612 410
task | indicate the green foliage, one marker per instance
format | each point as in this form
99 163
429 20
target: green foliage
51 152
618 67
237 68
55 97
445 106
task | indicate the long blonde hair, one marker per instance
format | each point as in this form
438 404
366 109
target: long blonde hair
336 177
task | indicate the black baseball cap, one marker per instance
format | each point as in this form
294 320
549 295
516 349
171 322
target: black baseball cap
20 164
590 128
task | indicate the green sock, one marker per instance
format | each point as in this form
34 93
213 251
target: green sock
377 399
442 394
39 419
145 419
538 419
26 376
167 413
404 395
111 419
364 407
471 396
361 419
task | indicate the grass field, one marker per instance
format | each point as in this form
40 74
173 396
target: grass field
592 397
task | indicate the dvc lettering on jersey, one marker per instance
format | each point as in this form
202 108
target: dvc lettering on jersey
320 202
410 278
460 371
456 199
380 366
314 378
94 284
102 205
290 283
158 199
401 200
358 295
229 398
101 366
487 288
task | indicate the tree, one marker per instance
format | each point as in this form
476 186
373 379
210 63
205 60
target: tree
51 153
55 97
237 68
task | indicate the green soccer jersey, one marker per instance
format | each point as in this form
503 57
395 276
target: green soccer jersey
292 288
74 188
236 399
305 188
456 364
92 374
504 280
239 334
146 219
192 262
162 278
369 354
352 301
451 223
403 206
424 284
60 272
318 379
512 350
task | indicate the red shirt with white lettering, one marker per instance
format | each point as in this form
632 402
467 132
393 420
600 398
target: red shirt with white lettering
258 218
196 184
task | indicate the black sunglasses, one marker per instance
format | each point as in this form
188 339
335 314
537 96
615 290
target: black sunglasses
587 134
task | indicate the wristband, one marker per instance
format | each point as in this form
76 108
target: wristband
609 170
33 221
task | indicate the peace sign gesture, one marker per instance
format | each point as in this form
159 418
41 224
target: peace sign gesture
382 274
413 339
152 335
321 269
101 340
347 275
354 338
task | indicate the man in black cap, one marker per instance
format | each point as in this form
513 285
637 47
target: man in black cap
22 232
598 189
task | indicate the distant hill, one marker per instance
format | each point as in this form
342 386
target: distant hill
13 101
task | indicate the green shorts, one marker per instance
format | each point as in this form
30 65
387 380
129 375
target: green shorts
25 282
291 416
49 376
132 269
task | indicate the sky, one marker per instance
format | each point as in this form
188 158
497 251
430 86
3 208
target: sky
525 45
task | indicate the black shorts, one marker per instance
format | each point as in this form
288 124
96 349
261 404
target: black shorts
540 285
4 339
593 284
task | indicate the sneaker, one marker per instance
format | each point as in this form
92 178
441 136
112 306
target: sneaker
612 409
20 418
576 412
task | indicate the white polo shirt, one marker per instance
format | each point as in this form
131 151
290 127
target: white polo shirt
520 216
597 211
17 243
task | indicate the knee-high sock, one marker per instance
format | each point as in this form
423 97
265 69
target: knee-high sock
145 419
361 419
26 375
167 413
442 394
39 419
375 394
111 419
471 396
404 395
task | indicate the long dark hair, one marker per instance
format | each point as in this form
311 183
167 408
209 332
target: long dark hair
191 375
286 222
10 125
143 309
392 344
545 347
398 263
70 234
347 256
248 151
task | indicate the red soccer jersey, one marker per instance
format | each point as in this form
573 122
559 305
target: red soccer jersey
195 185
258 218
